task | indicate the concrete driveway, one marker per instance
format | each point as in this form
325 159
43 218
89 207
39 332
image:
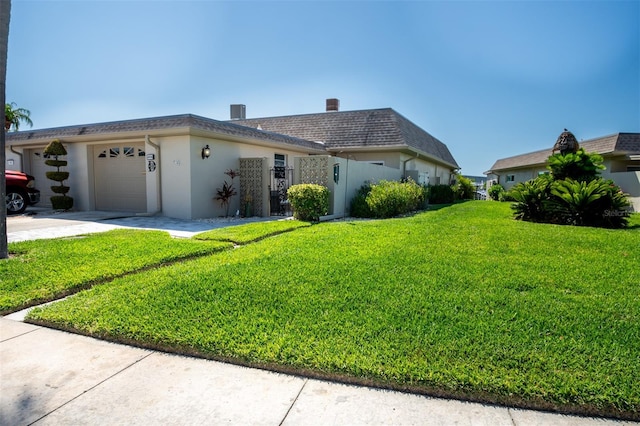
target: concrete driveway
39 223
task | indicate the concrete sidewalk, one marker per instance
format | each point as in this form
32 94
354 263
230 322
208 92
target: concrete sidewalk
51 377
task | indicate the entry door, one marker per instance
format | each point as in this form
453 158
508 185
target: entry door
120 177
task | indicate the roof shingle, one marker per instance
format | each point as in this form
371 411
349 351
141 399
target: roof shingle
161 123
351 129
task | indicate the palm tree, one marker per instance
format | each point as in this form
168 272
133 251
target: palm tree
14 116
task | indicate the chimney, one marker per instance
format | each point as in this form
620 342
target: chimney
238 111
333 104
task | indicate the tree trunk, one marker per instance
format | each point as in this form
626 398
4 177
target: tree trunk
5 14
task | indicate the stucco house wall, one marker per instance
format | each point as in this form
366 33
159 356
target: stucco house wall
351 176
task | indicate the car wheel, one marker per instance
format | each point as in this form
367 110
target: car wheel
16 202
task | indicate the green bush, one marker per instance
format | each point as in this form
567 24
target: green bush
596 203
464 189
581 166
496 191
392 198
530 198
573 194
309 201
359 206
61 202
441 194
57 176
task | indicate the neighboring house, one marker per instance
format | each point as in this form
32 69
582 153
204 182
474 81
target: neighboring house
620 152
159 165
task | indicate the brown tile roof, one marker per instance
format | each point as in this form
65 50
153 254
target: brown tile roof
161 123
376 128
619 143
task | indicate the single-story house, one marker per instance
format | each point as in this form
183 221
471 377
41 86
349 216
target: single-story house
620 152
174 165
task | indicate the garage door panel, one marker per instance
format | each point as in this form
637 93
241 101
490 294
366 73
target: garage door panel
120 182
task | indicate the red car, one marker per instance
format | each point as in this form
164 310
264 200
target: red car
21 191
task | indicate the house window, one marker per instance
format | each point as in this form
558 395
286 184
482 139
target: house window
511 178
280 160
633 168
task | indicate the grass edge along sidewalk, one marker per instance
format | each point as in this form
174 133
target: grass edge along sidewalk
440 303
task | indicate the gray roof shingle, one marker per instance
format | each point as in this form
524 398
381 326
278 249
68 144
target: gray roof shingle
162 123
350 129
619 143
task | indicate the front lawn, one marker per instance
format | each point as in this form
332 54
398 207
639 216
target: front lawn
463 301
42 270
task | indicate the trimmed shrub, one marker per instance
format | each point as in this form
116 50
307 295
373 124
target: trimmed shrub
359 206
441 194
309 201
390 198
55 149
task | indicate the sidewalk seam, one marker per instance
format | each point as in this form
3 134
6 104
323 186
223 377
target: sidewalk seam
19 335
294 401
91 388
513 421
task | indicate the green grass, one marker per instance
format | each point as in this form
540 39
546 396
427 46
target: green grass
463 301
251 232
42 270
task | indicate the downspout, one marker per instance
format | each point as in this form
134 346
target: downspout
19 154
159 184
404 165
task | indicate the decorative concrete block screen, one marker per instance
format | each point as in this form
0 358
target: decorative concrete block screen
254 175
314 170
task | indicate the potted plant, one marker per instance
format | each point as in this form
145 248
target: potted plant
227 191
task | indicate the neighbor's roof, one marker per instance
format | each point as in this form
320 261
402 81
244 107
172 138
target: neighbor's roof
619 143
375 128
149 125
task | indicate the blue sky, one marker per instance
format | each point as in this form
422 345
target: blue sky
490 79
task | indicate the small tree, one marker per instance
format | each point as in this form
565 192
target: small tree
55 149
227 191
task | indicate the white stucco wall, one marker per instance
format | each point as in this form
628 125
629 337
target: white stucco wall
352 175
207 175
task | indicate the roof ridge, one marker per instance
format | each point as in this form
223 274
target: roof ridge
311 114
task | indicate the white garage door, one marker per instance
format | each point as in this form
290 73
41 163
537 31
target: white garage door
120 182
